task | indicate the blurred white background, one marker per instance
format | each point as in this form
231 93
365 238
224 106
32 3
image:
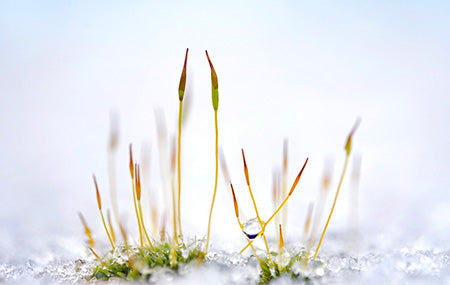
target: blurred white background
296 70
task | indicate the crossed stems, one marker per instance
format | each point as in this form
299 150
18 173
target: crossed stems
264 224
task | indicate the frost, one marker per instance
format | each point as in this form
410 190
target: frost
407 264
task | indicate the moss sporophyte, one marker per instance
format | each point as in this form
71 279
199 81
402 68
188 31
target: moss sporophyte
172 250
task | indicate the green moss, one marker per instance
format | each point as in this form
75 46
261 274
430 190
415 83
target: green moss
273 270
136 263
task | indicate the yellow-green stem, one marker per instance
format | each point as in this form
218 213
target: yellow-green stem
143 225
95 254
106 229
334 203
262 225
215 181
284 213
108 217
279 208
175 234
179 169
253 248
137 214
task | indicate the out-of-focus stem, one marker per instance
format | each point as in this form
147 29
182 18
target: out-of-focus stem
334 204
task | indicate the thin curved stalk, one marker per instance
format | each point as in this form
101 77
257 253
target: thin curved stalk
215 180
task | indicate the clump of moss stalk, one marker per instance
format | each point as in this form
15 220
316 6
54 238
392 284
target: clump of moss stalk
138 262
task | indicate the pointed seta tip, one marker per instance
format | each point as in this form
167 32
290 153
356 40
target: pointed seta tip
138 181
213 72
131 163
297 179
274 187
182 85
114 131
173 156
83 221
309 216
99 202
215 85
236 208
93 252
245 167
348 144
285 154
209 61
281 237
185 59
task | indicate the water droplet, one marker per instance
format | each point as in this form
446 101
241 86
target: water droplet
252 228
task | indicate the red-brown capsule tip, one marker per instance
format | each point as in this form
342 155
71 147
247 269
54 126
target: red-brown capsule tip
138 182
298 178
245 167
131 163
173 156
83 221
236 208
309 216
285 154
182 85
275 189
214 80
281 237
93 252
114 131
348 144
99 202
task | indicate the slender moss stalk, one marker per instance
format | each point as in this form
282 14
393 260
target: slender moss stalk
87 231
307 222
326 182
348 148
261 223
236 210
275 200
164 167
99 202
181 89
123 232
215 102
138 197
284 212
112 149
297 179
93 252
354 201
174 208
133 182
226 175
111 229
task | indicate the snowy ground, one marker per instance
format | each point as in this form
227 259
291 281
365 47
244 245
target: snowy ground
373 260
